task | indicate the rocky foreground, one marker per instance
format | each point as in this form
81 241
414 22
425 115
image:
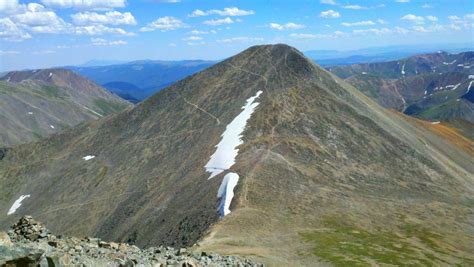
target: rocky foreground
29 243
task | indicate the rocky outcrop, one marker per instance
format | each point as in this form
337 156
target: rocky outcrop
29 243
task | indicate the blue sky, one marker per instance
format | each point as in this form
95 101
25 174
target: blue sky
43 33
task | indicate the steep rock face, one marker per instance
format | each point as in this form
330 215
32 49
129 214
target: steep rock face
35 104
319 162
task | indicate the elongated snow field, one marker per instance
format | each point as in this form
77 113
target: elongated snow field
17 204
226 151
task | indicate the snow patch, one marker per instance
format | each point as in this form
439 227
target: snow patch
426 92
226 152
98 114
17 204
471 77
226 193
435 122
52 127
88 157
469 87
30 113
403 69
364 72
449 63
50 74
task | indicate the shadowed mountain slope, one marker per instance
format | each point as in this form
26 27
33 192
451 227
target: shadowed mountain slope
320 164
35 104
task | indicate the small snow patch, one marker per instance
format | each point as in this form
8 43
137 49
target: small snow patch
17 204
403 69
426 92
88 157
50 74
471 76
226 192
364 72
30 113
435 122
457 100
52 127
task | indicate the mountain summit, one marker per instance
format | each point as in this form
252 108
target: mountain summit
264 154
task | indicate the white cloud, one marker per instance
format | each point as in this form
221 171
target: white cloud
328 2
111 17
469 16
100 30
196 43
454 18
286 26
37 18
10 31
228 11
243 39
414 18
432 18
355 7
192 38
330 14
217 22
381 21
103 42
426 6
8 52
164 24
402 1
359 23
93 4
7 6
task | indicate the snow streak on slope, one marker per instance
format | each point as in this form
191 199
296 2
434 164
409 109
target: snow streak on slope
17 204
226 192
226 151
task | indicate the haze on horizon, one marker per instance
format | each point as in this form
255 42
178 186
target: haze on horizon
45 33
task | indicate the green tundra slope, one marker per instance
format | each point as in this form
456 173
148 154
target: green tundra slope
327 176
35 104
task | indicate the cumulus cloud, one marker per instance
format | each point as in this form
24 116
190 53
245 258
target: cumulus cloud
37 18
358 23
164 24
426 6
432 18
402 1
228 11
330 14
10 31
7 6
328 2
303 36
103 42
414 18
197 32
93 4
286 26
217 22
111 17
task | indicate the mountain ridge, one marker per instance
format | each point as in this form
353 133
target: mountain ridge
316 154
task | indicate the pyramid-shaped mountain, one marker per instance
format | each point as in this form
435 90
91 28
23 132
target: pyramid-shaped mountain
264 154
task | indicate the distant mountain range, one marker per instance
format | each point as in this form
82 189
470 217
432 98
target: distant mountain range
138 80
265 155
35 104
380 54
434 86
